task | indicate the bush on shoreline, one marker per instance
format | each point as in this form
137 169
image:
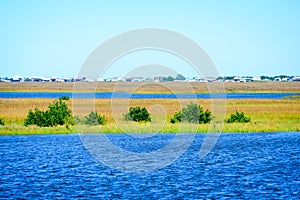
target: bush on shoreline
94 119
65 98
192 113
238 117
138 114
58 113
2 122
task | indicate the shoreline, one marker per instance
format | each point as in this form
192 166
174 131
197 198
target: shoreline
24 131
75 133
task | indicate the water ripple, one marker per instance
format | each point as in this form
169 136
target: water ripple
241 166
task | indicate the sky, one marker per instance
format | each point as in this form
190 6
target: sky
54 38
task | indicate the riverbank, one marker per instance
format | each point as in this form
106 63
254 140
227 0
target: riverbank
267 115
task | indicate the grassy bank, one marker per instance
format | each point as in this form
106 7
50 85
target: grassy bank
267 115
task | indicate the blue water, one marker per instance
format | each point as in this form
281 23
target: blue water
240 166
101 95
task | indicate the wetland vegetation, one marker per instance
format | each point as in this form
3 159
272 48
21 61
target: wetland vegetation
267 115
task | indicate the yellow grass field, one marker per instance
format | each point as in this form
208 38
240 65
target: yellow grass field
148 87
266 115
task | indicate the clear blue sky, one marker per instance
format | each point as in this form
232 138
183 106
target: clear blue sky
54 37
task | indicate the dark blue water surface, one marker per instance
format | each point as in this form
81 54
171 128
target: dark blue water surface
101 95
240 166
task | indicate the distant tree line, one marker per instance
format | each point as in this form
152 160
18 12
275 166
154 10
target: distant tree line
179 77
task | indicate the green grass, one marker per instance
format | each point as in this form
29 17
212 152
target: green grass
22 130
292 97
133 127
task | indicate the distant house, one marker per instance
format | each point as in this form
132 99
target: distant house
148 80
256 78
36 79
158 79
77 79
60 80
266 80
45 79
17 78
242 79
206 79
286 79
135 79
237 79
5 80
117 79
297 78
90 79
210 79
93 80
277 79
246 79
199 79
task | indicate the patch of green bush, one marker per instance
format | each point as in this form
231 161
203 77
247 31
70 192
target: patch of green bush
58 113
1 122
77 120
138 114
176 117
238 117
94 119
65 98
192 113
69 121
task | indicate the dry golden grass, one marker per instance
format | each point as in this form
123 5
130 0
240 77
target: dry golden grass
144 87
266 115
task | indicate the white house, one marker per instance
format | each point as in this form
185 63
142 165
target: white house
285 79
237 79
256 78
297 78
17 78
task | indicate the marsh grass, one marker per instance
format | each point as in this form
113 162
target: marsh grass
144 87
267 115
292 97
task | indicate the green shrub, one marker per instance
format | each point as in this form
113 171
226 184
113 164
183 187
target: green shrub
1 122
192 113
36 117
58 113
65 98
138 114
176 117
238 117
94 119
69 121
77 120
